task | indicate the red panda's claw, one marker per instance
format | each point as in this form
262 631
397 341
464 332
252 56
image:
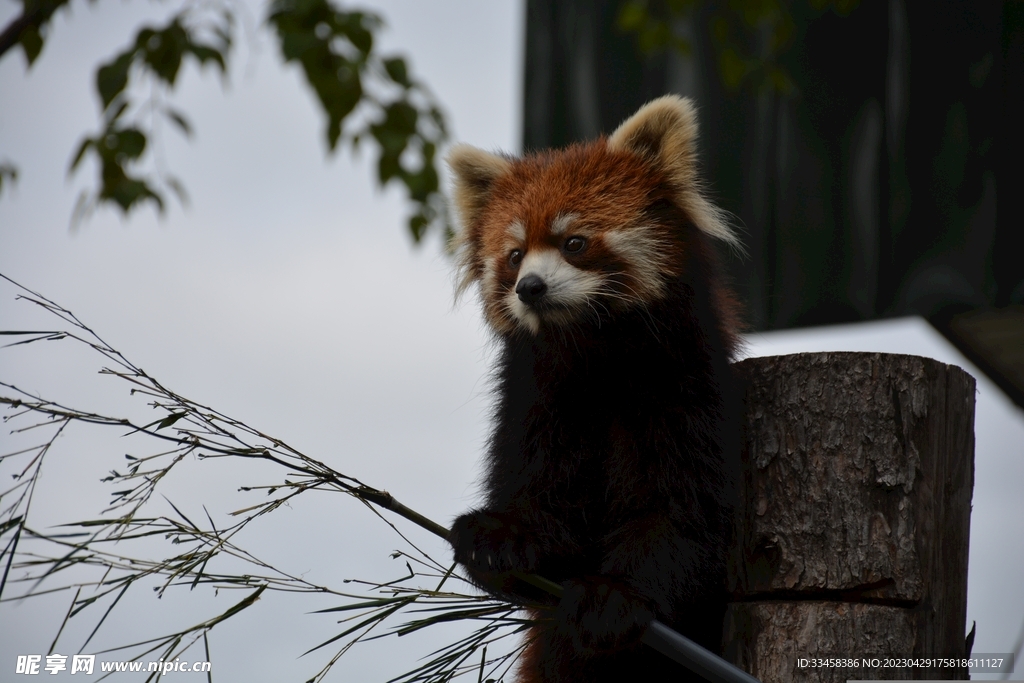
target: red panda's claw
489 543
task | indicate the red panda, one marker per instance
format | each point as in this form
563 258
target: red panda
611 465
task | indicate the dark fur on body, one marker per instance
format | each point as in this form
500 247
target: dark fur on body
610 471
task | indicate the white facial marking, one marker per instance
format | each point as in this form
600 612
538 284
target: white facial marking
517 231
489 279
560 225
645 252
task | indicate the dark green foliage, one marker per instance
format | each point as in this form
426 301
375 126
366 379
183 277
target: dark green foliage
157 53
749 36
115 147
364 94
310 32
336 51
397 71
160 51
652 23
31 42
29 29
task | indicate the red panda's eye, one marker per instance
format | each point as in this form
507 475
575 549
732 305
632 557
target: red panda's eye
574 245
515 258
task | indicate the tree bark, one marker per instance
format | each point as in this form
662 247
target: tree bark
852 534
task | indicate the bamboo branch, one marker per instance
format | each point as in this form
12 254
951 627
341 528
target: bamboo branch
207 433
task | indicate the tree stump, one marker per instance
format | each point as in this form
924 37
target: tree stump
852 533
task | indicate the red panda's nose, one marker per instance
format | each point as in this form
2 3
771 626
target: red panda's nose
530 289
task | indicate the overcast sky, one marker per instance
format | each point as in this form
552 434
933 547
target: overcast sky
288 294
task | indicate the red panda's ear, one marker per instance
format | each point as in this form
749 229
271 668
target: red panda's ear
664 131
474 172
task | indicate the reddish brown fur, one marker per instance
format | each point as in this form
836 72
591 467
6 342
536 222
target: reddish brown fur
606 188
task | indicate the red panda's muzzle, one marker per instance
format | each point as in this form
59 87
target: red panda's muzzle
551 291
531 289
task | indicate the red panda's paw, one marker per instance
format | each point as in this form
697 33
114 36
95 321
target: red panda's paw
489 543
601 615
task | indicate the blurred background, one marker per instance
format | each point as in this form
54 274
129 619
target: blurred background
866 149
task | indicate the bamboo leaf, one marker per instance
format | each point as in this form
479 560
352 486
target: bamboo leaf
367 604
170 420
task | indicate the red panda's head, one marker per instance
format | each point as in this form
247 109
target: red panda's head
561 236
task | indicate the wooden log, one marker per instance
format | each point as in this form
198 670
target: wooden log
853 530
768 638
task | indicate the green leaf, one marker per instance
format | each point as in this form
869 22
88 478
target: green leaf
422 184
31 35
130 142
294 45
393 134
114 149
205 53
378 602
162 50
128 192
170 420
418 224
387 168
112 78
401 118
397 71
31 42
357 31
